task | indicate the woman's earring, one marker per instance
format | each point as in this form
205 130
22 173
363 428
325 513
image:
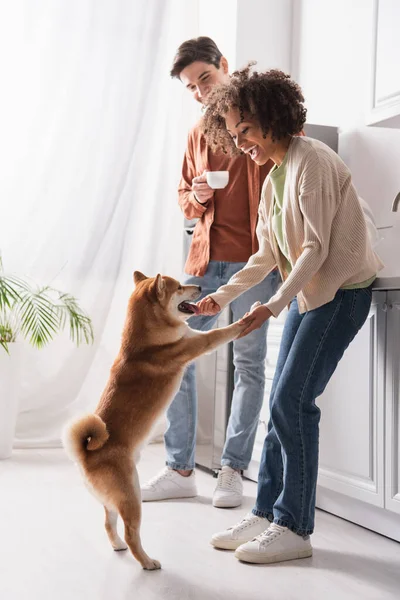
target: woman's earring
264 135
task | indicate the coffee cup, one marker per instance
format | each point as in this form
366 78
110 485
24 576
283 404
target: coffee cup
217 179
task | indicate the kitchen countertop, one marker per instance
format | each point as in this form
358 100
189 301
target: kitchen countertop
386 283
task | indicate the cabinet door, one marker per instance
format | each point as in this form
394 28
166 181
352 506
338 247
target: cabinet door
392 461
385 105
351 432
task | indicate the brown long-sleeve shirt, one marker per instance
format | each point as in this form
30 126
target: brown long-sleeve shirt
226 229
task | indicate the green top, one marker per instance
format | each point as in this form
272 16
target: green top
278 176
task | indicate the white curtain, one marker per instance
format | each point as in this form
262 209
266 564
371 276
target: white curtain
92 134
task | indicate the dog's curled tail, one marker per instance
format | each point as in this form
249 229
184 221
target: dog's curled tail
87 433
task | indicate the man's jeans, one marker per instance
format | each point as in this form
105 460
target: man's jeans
311 347
249 360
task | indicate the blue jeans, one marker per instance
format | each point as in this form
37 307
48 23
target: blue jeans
311 347
249 379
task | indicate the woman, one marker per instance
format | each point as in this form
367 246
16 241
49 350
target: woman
311 225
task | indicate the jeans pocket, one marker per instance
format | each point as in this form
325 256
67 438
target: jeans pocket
360 306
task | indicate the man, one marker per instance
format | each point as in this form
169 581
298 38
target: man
223 240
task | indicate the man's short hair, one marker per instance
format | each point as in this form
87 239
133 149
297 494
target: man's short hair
202 49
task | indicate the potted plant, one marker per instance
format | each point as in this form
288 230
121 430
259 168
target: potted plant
36 314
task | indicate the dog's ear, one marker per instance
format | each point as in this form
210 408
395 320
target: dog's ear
160 286
138 276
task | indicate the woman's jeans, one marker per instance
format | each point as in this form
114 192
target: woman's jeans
249 361
311 347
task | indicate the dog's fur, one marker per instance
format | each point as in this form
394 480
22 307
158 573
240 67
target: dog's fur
157 344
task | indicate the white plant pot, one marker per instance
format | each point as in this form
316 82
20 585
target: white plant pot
10 369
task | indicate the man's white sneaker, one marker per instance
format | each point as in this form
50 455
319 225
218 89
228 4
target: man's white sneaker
245 530
169 484
229 490
276 544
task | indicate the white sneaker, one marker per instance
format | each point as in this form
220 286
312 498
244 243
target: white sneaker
229 490
235 536
169 484
276 544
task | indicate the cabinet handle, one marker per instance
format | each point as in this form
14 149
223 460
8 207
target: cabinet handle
384 307
395 305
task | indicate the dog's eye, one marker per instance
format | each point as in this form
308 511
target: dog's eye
180 288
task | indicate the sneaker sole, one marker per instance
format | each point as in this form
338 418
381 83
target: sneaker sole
220 504
175 497
255 557
227 502
228 544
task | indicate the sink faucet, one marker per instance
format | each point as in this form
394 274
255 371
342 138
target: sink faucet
396 203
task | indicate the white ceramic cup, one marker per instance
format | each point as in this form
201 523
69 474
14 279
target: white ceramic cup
217 179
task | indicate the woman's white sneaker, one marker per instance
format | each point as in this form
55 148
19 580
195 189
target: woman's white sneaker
276 544
229 490
169 484
245 530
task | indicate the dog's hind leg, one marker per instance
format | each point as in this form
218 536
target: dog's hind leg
111 528
130 510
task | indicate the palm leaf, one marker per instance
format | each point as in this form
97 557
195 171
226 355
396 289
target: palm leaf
39 313
9 292
38 317
80 324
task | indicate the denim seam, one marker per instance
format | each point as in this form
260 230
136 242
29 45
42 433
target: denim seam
297 530
189 421
353 306
179 466
263 514
225 462
280 486
309 374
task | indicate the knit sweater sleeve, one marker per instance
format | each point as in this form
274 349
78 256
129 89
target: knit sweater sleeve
257 268
318 200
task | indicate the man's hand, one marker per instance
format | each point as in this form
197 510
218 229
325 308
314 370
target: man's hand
255 318
208 306
201 189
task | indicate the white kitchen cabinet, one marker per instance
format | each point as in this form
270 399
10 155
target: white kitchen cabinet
392 487
359 475
352 422
385 71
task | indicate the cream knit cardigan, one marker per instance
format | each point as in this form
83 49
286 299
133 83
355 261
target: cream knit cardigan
326 233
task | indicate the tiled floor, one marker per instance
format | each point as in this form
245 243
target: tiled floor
53 546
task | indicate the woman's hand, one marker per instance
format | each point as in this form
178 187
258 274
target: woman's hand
208 306
255 318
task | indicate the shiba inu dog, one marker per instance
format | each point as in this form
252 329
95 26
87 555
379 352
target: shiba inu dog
157 344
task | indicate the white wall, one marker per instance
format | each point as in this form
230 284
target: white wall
249 30
218 20
264 33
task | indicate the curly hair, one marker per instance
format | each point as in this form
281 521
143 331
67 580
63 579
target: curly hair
272 98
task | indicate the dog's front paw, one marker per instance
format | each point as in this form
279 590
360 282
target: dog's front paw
151 565
120 547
